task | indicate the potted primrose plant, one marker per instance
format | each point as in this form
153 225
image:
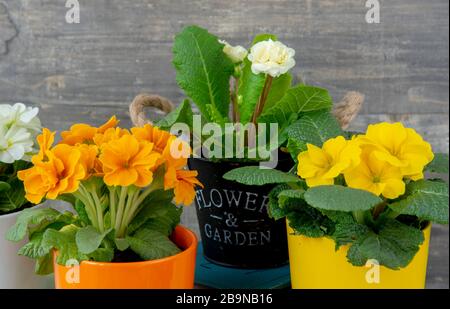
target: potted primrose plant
244 91
19 126
124 186
359 211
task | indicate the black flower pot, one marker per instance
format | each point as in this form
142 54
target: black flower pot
235 228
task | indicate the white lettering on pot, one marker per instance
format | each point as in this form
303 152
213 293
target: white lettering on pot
237 238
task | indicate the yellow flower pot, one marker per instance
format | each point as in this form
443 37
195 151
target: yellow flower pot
316 265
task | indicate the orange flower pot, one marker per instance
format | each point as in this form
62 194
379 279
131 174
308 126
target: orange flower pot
174 272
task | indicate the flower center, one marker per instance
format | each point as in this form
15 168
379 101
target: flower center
376 179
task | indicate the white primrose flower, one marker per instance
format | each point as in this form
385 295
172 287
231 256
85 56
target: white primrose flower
271 57
236 54
19 115
19 126
15 144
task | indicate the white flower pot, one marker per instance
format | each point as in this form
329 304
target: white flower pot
17 272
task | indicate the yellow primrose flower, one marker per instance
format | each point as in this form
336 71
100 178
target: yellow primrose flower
319 166
376 176
399 146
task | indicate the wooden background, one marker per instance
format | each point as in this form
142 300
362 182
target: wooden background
88 71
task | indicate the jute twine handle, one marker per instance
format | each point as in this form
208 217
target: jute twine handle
345 111
143 101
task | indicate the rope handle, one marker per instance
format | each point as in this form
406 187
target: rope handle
344 111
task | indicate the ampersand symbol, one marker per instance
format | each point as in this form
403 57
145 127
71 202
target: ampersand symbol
231 221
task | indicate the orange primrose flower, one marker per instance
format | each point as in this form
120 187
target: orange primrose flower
126 161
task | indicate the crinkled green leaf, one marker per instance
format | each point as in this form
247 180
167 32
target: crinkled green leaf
32 219
64 242
439 164
88 239
314 128
102 255
203 70
33 248
255 176
294 147
273 208
297 100
44 265
394 246
151 244
426 199
306 220
167 223
341 198
156 205
345 230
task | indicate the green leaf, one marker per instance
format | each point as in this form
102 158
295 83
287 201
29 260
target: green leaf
181 114
264 37
273 208
14 197
346 230
394 246
151 244
426 199
250 89
81 211
88 239
255 176
314 128
121 244
306 220
203 70
294 147
280 86
102 255
439 164
33 248
63 241
285 196
4 186
155 205
167 223
31 220
44 265
297 100
341 198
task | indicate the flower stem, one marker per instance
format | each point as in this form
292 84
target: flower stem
98 205
262 99
112 204
120 209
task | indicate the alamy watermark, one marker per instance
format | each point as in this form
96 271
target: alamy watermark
373 14
73 14
227 141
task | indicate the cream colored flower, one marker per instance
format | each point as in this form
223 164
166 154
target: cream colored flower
271 57
236 53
